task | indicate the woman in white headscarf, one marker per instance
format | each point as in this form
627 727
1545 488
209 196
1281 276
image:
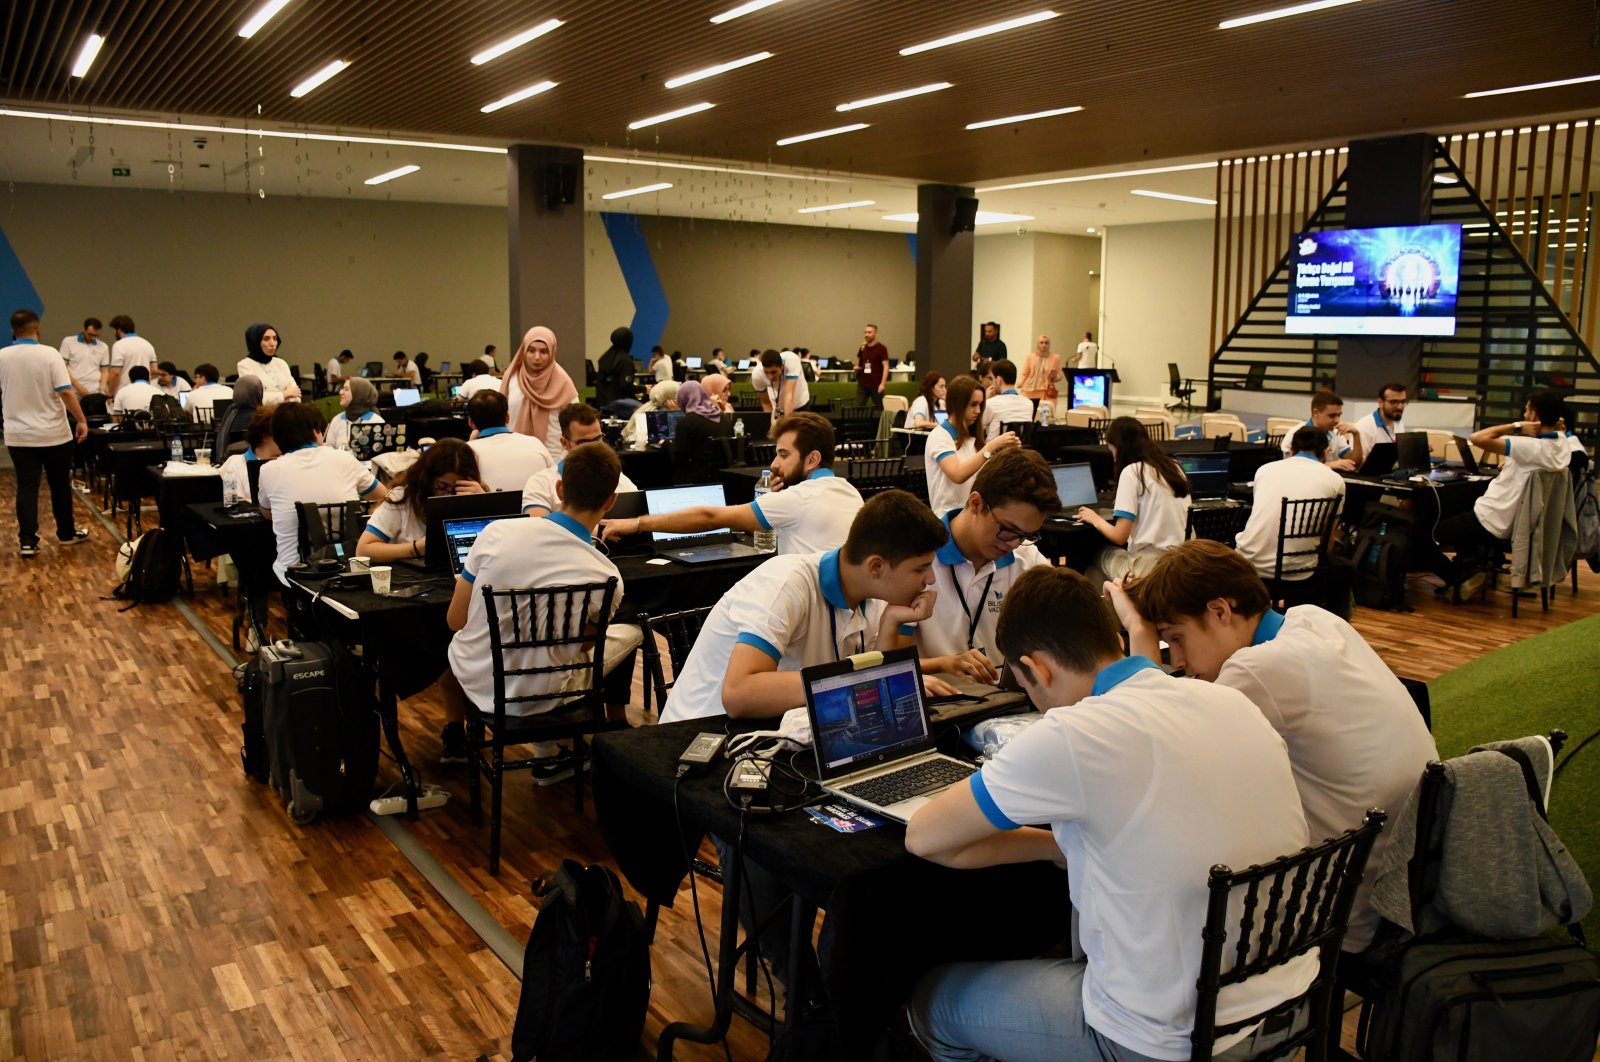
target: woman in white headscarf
663 396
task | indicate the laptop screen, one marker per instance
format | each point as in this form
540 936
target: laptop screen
860 715
695 363
823 363
663 423
671 499
459 535
1412 452
744 363
444 366
1208 474
1075 485
407 396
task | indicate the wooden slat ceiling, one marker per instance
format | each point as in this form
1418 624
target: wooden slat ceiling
1157 79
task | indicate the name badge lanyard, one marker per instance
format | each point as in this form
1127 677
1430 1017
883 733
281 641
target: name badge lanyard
833 626
972 617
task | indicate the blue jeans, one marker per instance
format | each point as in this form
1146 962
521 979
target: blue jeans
1027 1009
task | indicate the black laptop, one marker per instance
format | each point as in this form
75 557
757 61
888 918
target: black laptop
462 507
694 547
1207 474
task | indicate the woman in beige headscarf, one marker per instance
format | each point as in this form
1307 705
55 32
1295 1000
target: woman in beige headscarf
537 389
663 396
1040 372
717 386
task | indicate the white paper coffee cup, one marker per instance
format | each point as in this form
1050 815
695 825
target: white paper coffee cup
380 578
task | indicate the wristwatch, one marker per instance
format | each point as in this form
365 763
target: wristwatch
985 453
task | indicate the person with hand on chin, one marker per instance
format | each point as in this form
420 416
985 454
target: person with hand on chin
955 450
398 527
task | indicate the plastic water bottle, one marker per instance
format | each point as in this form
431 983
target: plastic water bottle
1045 412
177 449
767 540
738 427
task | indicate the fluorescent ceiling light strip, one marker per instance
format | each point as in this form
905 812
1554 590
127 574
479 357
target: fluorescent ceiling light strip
720 68
1097 177
1282 12
625 193
661 165
86 55
263 15
681 112
1531 88
819 134
889 97
981 31
743 9
837 206
318 78
518 97
383 178
984 217
1174 196
1015 118
510 43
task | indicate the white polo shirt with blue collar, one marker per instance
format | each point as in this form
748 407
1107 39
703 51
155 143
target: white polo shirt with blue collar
967 607
793 609
1147 783
310 473
539 492
1004 408
1375 429
554 550
32 376
85 360
1338 447
506 459
812 515
1496 509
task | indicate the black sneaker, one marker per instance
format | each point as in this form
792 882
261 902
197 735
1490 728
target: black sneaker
558 768
30 551
78 536
454 739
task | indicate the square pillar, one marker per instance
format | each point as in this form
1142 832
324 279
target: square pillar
944 282
544 219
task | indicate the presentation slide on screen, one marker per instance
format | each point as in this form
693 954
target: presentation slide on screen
1399 281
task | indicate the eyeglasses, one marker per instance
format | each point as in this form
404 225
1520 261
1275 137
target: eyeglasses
1005 533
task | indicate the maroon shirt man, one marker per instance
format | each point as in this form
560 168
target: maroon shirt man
872 366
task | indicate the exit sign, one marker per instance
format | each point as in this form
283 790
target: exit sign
121 171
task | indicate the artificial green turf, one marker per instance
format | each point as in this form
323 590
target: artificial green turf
1549 680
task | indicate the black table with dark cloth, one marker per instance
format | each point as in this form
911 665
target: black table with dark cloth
246 536
890 915
1244 459
174 495
128 464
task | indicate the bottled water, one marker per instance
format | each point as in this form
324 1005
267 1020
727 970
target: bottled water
767 540
738 428
1046 414
177 449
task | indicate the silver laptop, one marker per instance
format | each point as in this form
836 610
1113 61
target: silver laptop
869 727
694 547
1076 488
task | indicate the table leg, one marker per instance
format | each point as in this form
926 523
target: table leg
727 966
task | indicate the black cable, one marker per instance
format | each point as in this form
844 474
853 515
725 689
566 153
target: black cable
756 921
694 895
1571 753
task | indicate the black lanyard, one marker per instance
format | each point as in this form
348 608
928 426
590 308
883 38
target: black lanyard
833 625
972 617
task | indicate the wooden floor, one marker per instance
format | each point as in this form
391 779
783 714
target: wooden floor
157 904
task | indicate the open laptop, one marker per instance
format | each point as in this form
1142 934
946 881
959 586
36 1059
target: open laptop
1468 463
1379 460
1207 472
693 547
695 363
662 424
444 366
407 396
459 535
1076 488
369 440
744 363
824 363
870 730
1412 452
446 508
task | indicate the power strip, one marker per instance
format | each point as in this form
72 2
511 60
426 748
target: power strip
433 797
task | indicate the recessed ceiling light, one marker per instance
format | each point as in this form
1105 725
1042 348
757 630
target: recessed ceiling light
518 96
819 134
1015 118
1174 197
511 43
836 206
626 192
984 217
670 115
392 174
1090 230
743 9
1283 12
1445 178
720 68
1531 88
86 55
1097 177
981 31
318 78
263 15
888 97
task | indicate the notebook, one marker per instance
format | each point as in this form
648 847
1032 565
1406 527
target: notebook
870 731
459 535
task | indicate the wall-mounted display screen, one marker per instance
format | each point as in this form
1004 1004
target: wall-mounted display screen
1398 281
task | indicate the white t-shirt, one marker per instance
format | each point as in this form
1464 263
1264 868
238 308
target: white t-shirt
209 395
1160 518
1338 445
506 460
335 369
178 386
1007 406
791 608
663 369
85 360
276 377
393 521
134 397
512 389
919 408
1497 508
966 608
484 382
1088 355
540 489
1294 478
1355 738
31 375
811 516
338 433
552 551
129 351
944 493
1374 430
235 474
312 473
411 372
791 371
1147 784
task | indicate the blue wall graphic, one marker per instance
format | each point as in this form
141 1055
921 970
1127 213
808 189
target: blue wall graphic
650 307
16 290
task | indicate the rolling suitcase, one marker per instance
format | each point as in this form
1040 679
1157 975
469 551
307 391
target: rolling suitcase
320 728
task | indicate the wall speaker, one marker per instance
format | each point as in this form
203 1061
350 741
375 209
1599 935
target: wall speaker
966 216
560 184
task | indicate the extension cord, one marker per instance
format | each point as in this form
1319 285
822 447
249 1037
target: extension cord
396 805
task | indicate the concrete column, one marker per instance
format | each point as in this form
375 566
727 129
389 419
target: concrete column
944 283
544 220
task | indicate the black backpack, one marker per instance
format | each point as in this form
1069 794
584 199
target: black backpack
1381 555
586 971
154 571
164 409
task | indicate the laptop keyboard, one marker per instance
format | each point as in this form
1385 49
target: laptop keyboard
886 790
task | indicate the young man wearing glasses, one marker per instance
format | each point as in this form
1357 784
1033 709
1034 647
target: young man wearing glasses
990 545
